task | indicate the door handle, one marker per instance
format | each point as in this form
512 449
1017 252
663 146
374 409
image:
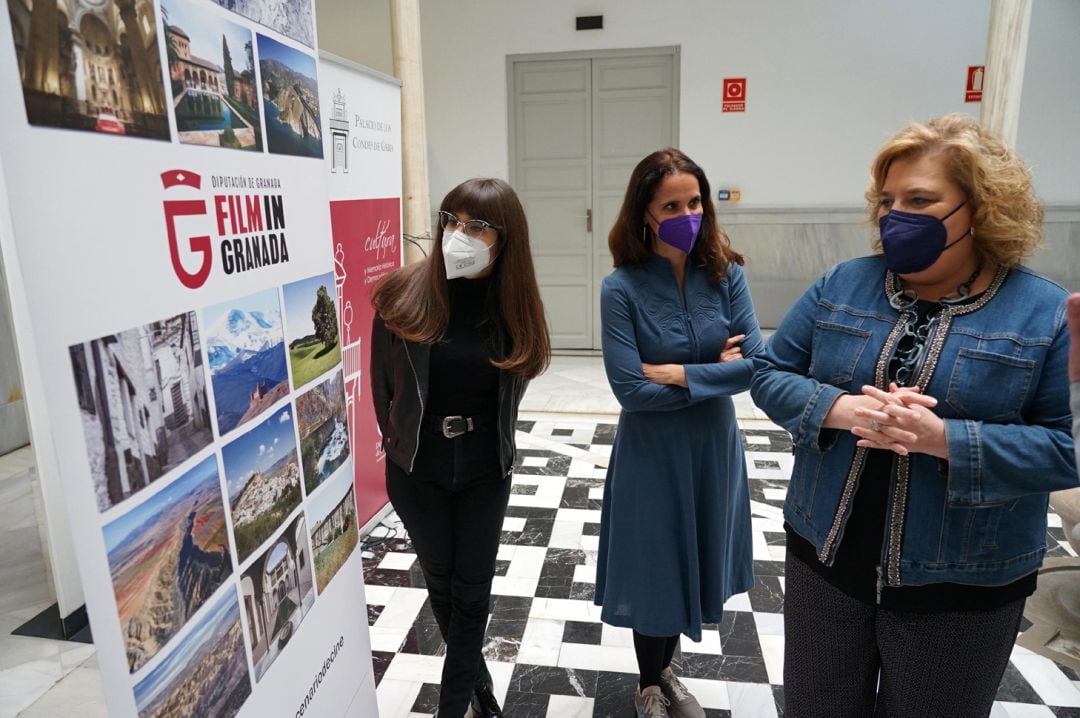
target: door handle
588 220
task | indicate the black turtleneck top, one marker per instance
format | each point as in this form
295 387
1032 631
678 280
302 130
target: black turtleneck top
462 382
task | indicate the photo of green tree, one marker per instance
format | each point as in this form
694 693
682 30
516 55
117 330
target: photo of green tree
311 320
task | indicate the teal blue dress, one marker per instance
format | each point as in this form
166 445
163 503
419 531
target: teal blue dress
675 528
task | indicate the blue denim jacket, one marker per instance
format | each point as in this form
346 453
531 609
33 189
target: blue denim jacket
998 368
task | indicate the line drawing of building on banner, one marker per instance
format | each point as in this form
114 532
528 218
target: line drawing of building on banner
350 347
339 134
142 399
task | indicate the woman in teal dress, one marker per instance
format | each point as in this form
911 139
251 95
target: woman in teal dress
679 331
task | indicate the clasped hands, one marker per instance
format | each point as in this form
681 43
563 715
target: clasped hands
900 420
675 374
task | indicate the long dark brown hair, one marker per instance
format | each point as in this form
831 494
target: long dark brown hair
414 301
626 240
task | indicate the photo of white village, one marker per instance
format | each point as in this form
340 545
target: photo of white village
263 475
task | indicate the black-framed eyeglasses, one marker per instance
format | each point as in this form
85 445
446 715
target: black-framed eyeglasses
472 228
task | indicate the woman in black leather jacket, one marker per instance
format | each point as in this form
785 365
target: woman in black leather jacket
455 342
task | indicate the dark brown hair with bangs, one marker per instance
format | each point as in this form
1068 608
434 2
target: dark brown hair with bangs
414 301
626 240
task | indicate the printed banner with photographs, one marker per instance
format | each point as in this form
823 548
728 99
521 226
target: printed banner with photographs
363 162
180 332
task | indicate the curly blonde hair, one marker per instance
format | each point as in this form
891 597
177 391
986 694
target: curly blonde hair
1007 217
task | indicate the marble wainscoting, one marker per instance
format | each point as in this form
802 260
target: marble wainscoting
787 248
576 384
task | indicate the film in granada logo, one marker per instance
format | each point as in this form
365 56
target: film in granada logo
248 226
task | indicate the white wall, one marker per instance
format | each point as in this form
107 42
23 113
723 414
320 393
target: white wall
1049 134
827 83
358 30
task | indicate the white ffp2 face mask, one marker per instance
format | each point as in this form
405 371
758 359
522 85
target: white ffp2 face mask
464 256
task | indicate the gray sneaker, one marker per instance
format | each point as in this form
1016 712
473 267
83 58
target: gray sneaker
683 703
651 703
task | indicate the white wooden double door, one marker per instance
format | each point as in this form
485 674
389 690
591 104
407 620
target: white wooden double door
579 123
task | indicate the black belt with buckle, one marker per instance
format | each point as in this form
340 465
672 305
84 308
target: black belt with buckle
454 426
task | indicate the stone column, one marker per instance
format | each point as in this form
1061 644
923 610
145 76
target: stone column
43 48
1006 52
147 76
416 202
80 68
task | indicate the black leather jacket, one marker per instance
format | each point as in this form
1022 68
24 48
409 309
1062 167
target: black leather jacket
399 389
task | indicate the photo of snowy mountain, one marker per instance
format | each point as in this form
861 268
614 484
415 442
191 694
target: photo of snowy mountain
239 332
246 348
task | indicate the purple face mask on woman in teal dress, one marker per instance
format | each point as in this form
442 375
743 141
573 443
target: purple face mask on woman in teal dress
681 232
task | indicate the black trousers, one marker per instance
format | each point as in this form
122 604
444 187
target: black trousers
844 658
455 531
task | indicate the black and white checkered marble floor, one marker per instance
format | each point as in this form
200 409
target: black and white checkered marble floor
546 648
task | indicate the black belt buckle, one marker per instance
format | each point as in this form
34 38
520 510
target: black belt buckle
454 426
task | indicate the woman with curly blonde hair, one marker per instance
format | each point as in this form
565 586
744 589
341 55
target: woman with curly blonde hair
926 391
1006 211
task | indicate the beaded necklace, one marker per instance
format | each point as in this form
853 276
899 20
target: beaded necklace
911 346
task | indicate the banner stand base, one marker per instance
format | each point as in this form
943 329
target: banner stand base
375 520
49 624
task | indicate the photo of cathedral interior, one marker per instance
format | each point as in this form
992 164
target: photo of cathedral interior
91 65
